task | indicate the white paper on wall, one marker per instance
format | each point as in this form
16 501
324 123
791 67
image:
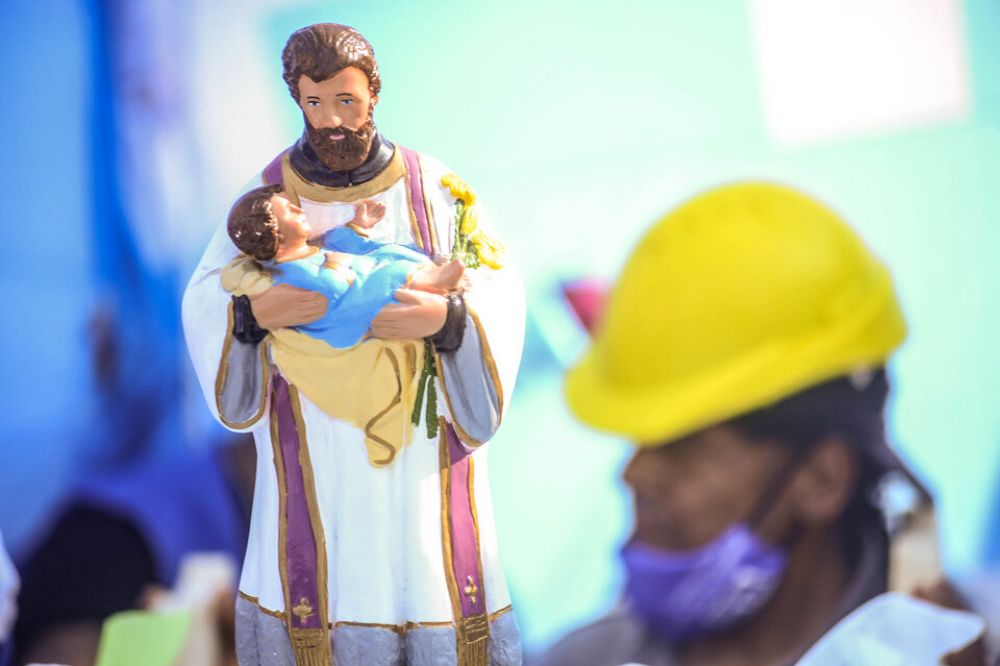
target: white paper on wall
832 69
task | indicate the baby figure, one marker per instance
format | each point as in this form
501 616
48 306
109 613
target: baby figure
358 276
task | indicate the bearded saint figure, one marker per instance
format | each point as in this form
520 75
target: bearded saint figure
372 537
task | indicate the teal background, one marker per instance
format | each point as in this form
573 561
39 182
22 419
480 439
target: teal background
578 124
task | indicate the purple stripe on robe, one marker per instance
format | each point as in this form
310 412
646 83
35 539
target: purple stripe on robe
464 540
300 540
412 161
466 565
273 175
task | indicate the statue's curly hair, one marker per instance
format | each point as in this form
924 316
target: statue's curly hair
252 225
319 51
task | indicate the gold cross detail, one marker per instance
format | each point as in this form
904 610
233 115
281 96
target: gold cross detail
304 610
471 589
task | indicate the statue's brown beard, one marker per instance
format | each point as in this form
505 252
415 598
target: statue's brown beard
347 153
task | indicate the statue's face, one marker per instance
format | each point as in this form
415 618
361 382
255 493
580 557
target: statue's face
292 224
338 117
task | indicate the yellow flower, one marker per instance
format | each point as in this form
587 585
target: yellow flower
488 250
470 220
458 188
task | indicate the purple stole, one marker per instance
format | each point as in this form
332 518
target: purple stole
302 549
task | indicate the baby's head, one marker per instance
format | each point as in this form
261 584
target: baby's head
252 225
263 220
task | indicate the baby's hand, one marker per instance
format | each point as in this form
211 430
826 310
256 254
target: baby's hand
368 213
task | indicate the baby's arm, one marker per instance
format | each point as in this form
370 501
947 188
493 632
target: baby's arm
348 240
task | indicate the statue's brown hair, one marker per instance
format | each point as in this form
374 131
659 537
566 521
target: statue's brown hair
320 51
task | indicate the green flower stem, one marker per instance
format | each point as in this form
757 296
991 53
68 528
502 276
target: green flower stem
419 401
460 239
425 386
432 408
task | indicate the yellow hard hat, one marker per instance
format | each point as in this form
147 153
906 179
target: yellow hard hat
740 297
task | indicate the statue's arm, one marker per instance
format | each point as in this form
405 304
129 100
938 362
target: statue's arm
479 344
228 308
224 339
479 350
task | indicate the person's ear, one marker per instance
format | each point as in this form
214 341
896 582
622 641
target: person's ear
825 482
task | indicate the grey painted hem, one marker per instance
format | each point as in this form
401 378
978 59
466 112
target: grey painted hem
243 388
262 640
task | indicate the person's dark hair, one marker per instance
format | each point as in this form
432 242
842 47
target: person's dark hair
852 408
319 51
252 225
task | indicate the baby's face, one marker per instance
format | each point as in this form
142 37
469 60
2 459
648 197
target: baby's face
291 219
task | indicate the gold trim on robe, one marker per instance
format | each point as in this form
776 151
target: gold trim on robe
444 471
396 628
309 486
296 186
414 224
429 213
282 511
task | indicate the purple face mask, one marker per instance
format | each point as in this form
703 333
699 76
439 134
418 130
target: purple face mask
686 594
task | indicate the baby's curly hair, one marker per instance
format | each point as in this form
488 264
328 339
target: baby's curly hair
252 225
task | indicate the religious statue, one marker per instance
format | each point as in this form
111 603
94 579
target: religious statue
371 347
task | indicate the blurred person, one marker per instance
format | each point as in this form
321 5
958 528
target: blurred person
743 351
9 584
122 534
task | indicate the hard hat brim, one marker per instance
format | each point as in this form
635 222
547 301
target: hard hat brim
660 412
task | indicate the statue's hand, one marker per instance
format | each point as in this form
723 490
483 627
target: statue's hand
283 305
419 314
368 213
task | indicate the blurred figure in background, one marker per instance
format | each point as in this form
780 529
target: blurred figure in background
9 584
743 351
125 527
119 535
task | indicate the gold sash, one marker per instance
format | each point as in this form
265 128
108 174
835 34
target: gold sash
370 385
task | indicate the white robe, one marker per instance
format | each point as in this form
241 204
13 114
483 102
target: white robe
382 525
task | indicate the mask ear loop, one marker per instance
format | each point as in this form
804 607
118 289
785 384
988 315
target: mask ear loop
778 484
